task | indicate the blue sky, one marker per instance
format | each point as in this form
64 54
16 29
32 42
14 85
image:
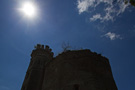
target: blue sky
102 26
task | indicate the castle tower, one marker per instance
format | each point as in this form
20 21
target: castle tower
79 70
35 73
70 70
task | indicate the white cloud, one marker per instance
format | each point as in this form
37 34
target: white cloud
107 17
112 36
83 5
122 7
96 17
111 9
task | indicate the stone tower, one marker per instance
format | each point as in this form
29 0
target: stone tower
35 73
79 70
70 70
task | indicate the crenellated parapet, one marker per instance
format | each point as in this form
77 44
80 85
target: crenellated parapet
41 50
40 56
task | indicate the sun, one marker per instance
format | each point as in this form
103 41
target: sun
28 9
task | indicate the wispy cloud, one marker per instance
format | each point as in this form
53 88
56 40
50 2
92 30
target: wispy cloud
112 36
96 17
111 9
107 17
83 5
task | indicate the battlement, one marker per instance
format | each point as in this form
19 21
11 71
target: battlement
47 48
42 50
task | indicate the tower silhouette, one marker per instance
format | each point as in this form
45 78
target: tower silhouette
70 70
35 73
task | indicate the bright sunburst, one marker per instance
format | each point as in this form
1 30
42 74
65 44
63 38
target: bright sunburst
28 9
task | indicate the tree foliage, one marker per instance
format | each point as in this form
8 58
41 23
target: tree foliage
132 2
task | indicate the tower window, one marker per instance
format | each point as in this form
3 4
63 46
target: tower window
76 87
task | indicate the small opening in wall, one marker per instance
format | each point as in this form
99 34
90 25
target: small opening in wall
76 87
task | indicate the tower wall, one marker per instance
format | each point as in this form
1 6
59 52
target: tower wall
79 70
71 70
35 73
